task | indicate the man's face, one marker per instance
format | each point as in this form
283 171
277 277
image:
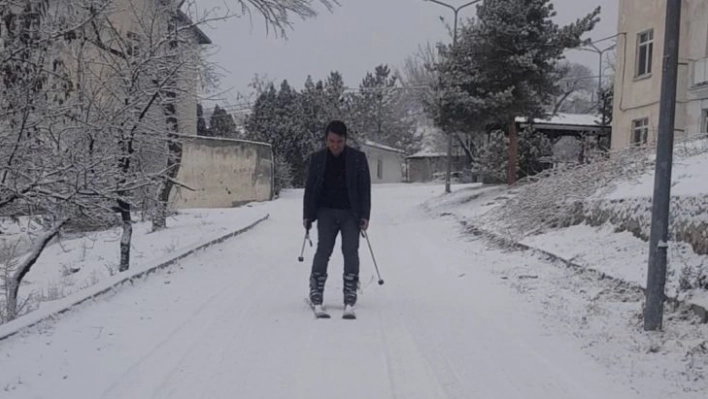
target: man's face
335 143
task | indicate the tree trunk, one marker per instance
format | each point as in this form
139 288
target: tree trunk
466 148
13 286
127 236
174 160
11 303
174 153
513 152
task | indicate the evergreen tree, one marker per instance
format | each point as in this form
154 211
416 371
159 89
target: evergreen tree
379 113
504 66
222 124
279 118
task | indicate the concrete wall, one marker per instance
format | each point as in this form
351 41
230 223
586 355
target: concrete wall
385 166
224 173
638 97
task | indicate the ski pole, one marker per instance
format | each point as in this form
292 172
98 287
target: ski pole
302 251
363 233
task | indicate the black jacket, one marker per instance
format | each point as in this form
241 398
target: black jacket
358 183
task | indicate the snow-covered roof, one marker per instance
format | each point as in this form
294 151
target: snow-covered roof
372 144
562 119
427 153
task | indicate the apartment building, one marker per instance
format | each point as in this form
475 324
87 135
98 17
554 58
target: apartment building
640 47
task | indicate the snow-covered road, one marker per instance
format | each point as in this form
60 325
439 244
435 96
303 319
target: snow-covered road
232 323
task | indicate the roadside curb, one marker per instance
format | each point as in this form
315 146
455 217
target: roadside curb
66 304
699 310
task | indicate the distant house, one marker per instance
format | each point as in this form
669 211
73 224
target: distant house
426 166
385 163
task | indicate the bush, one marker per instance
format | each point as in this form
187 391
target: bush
493 155
283 174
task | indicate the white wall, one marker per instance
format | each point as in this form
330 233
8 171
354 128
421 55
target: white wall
385 166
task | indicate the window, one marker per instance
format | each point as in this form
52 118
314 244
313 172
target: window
640 132
645 52
379 169
704 121
700 72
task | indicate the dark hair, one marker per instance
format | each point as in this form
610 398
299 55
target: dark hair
338 128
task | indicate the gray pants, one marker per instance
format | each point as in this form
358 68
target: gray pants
330 222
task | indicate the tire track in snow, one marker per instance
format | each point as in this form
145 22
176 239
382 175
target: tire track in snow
410 374
175 347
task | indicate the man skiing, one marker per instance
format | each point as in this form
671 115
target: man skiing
338 197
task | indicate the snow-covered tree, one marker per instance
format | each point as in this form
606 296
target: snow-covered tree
92 96
576 89
379 112
278 14
278 118
89 113
504 66
419 79
492 159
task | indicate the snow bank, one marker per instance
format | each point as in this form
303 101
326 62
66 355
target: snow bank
72 265
599 216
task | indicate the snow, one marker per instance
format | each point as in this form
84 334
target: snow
455 318
689 178
73 264
565 119
427 153
382 147
618 254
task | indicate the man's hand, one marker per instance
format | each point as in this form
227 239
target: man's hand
364 224
307 223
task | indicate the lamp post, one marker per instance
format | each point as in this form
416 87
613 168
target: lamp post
456 11
600 53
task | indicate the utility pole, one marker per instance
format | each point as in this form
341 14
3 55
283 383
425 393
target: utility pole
456 11
658 240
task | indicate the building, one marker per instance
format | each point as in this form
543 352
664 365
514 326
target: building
427 166
563 124
212 172
385 163
640 46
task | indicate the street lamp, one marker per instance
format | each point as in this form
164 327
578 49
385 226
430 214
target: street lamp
600 53
456 11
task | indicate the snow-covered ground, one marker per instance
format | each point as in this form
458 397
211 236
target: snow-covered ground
456 318
689 175
71 265
603 248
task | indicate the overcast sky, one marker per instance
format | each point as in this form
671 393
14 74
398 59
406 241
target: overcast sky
354 38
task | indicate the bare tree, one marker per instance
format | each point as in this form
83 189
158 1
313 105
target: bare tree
576 87
91 115
41 172
277 13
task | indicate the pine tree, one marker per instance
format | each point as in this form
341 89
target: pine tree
379 113
279 118
222 124
504 66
